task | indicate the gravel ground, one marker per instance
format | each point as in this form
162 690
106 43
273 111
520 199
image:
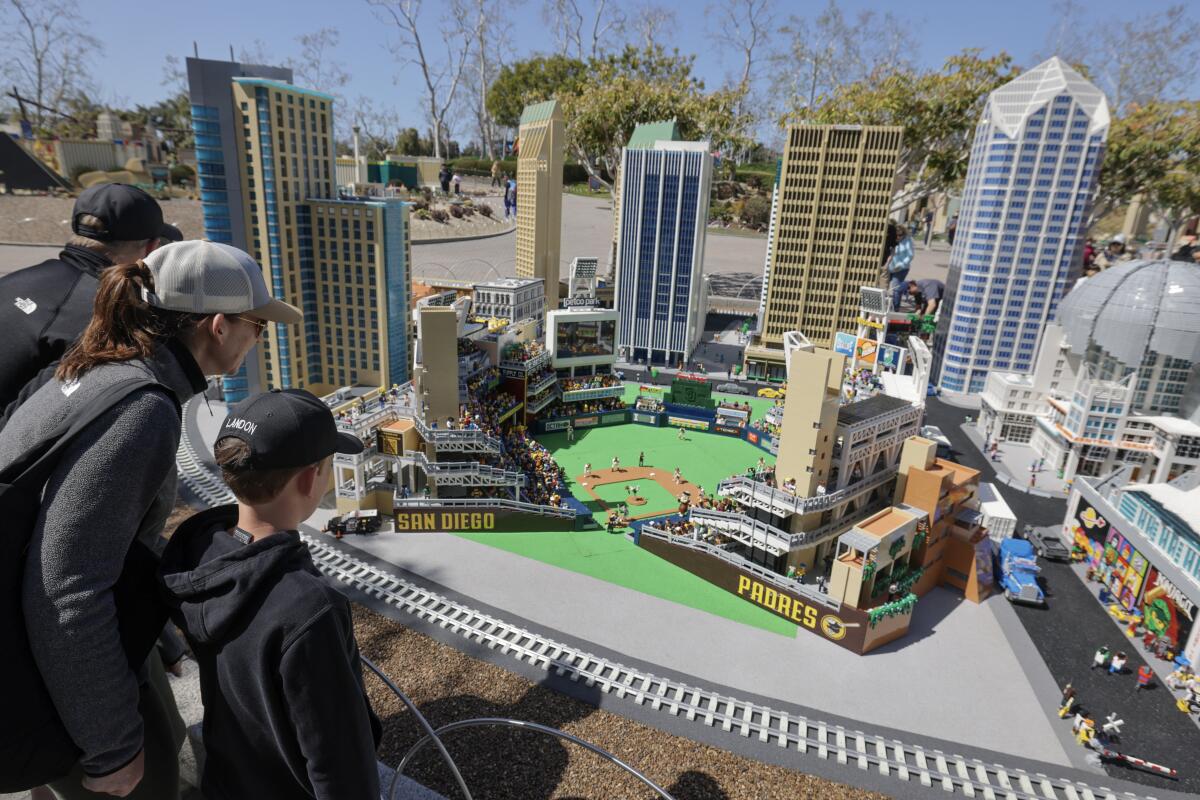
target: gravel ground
497 764
29 219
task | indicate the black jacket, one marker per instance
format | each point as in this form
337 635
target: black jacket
285 712
43 309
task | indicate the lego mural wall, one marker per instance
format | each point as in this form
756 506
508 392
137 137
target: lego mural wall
1125 569
1168 613
1091 531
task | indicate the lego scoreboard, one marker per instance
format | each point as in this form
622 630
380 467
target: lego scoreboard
689 390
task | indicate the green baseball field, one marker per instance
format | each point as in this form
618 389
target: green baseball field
703 458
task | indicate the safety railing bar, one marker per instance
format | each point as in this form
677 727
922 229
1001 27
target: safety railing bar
424 723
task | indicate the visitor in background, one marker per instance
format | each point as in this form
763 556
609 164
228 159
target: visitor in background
44 308
899 264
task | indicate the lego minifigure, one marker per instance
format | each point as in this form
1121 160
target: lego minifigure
1068 701
1086 731
1100 659
1117 666
1144 676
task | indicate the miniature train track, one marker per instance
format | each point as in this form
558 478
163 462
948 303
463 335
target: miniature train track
864 750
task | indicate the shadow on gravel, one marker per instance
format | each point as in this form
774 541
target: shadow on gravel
500 763
696 786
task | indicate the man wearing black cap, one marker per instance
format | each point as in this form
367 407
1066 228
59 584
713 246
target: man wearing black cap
44 308
285 712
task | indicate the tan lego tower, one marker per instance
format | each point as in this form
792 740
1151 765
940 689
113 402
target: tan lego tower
539 195
834 195
435 373
810 415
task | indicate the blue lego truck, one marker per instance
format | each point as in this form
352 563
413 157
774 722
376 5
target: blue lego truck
1018 572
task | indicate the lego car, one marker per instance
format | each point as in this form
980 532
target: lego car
771 393
367 521
1018 573
732 388
1048 546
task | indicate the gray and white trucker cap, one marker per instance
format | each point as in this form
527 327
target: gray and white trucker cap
200 277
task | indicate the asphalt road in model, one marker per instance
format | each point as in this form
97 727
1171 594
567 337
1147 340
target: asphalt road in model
1070 629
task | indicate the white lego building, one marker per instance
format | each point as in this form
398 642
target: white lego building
512 299
1117 380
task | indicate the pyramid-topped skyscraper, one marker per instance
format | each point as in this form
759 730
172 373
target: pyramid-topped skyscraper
1025 206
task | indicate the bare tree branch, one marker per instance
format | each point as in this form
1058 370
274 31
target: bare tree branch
441 78
650 22
46 48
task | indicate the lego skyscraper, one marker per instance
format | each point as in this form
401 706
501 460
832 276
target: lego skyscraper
539 195
266 158
660 289
828 229
1025 205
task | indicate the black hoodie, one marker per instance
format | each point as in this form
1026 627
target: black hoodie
285 713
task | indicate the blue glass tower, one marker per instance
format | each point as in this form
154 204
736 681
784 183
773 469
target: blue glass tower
1028 193
216 124
660 288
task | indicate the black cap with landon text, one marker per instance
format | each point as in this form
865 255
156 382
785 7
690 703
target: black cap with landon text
287 429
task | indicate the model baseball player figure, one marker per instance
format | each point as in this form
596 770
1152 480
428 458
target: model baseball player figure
570 432
681 436
587 470
678 476
641 459
616 464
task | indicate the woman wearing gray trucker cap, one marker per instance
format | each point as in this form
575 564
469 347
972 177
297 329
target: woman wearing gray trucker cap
186 310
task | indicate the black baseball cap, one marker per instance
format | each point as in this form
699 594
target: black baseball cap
170 233
126 214
287 429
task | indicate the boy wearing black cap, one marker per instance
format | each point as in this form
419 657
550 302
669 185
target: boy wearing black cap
285 712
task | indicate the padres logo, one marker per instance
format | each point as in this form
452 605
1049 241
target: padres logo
833 627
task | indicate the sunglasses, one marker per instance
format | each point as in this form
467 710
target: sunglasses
260 325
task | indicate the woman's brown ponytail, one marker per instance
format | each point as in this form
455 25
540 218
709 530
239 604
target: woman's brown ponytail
123 326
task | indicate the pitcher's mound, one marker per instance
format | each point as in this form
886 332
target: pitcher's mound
636 500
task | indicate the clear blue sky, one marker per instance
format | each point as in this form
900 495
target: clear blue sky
139 33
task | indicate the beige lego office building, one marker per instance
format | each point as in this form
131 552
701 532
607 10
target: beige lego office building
539 196
828 231
287 135
343 263
362 250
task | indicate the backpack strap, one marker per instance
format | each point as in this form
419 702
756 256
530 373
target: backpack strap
33 468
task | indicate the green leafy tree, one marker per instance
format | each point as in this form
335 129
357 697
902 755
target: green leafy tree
531 81
938 109
647 85
1154 151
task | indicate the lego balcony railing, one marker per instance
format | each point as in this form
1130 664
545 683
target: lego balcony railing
462 439
598 393
529 365
463 473
782 503
750 532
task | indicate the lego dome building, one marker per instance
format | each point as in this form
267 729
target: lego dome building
1135 311
1122 367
